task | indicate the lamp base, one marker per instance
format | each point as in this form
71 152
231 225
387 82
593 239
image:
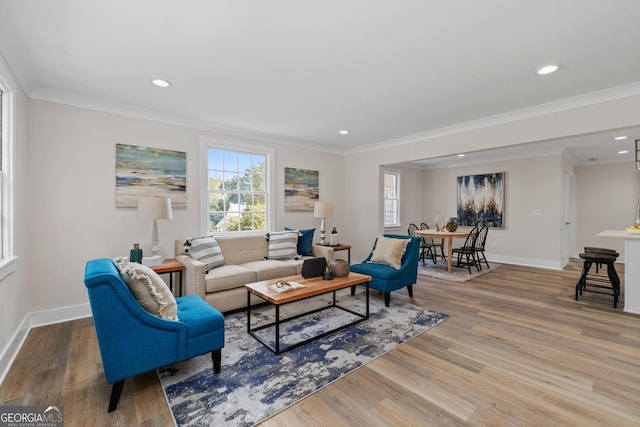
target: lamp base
151 261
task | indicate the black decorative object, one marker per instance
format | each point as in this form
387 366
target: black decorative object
313 267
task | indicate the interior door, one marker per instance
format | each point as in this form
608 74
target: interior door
568 216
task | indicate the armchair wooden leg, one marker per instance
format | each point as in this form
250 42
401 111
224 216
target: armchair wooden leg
387 298
216 356
410 289
116 391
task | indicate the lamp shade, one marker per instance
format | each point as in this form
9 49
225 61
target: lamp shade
154 208
323 210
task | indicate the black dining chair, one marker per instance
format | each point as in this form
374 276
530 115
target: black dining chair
481 240
467 252
426 248
433 245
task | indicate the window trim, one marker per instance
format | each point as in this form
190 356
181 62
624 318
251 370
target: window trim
398 176
7 144
205 144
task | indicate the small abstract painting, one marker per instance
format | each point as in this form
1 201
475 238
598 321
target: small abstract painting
481 200
142 171
300 189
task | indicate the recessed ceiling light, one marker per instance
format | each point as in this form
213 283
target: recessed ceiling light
619 138
344 132
623 152
461 155
547 69
161 82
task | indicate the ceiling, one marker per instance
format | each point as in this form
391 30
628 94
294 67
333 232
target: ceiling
297 72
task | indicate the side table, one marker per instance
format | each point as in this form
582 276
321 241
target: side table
170 266
342 247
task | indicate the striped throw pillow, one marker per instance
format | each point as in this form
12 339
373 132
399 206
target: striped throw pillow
283 244
205 249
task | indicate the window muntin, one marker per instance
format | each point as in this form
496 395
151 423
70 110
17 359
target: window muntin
237 191
391 190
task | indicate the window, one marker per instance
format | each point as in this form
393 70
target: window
391 199
7 259
237 190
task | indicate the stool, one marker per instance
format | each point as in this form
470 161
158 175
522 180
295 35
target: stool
599 256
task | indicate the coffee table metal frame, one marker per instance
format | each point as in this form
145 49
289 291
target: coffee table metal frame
304 295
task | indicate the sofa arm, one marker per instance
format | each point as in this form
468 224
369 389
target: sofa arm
325 251
194 275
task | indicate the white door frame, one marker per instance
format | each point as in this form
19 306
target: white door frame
568 216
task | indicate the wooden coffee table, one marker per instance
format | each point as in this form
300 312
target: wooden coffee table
313 287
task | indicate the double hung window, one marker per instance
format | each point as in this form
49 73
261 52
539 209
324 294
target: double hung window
237 190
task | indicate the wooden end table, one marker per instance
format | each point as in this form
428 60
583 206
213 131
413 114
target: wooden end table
170 266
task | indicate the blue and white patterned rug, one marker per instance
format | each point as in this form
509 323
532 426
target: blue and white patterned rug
255 383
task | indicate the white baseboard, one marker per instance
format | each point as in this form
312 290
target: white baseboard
35 319
527 262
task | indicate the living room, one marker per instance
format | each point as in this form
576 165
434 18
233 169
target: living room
64 209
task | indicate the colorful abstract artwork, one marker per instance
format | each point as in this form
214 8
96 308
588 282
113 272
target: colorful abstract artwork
481 200
143 171
300 189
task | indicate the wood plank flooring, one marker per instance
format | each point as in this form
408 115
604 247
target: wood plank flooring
517 351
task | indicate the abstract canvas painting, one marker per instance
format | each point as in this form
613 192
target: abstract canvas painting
143 171
300 189
481 200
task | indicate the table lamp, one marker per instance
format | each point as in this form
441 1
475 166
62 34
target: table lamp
323 210
154 208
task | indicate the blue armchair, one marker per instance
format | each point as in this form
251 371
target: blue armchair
386 278
133 341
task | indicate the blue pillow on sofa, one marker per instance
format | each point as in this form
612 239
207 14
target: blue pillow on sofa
305 241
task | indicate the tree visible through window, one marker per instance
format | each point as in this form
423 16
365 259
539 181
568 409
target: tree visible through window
237 191
391 199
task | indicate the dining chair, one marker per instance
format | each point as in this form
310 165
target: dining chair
425 249
481 240
467 251
433 245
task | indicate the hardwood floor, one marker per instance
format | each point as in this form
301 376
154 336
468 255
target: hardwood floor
518 350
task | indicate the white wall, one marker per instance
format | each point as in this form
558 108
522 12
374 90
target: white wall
363 212
606 199
74 218
525 239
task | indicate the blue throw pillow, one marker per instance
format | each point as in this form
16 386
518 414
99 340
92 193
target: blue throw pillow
305 241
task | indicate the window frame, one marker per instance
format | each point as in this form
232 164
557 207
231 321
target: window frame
205 145
397 175
7 144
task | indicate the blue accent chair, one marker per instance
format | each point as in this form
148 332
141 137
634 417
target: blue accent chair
386 278
133 341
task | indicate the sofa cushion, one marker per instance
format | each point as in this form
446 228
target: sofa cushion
148 289
283 244
205 249
228 277
389 251
271 269
305 241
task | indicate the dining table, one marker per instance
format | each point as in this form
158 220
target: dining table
449 236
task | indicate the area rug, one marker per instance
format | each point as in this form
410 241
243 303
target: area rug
255 384
458 274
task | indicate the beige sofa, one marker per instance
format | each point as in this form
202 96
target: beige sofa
244 262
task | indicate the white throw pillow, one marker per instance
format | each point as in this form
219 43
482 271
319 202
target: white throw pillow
148 289
205 249
389 251
283 244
